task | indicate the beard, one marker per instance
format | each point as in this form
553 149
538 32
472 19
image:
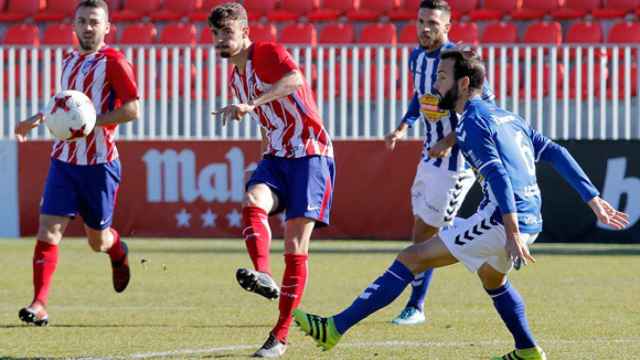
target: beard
87 45
449 99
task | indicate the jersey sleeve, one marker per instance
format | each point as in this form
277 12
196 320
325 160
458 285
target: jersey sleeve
120 75
480 143
272 62
413 112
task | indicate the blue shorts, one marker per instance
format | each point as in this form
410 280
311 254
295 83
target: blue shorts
88 190
304 186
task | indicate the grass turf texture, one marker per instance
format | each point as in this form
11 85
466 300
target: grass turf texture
183 302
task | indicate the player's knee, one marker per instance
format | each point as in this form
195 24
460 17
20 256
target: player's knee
410 258
491 278
49 236
97 243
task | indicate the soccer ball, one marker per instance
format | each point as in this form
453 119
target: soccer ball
70 115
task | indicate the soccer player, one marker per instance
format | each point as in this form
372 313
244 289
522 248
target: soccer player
296 173
443 178
504 149
84 174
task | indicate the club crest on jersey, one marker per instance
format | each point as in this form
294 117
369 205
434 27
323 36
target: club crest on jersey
86 66
429 108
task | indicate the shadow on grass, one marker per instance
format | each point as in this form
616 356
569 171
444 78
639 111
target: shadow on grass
144 325
540 249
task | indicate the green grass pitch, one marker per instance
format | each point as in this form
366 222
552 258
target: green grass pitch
583 302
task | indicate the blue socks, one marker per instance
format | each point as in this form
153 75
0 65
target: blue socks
379 294
510 306
419 288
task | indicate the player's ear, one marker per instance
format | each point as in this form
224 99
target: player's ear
463 84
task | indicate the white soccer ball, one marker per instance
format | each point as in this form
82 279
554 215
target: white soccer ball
70 115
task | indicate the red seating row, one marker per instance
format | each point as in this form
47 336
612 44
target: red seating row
323 10
335 33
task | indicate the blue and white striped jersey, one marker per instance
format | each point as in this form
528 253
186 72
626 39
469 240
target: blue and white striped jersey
438 123
504 149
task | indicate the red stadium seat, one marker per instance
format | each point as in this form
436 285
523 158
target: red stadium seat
138 34
466 33
371 10
463 6
546 80
206 36
57 10
582 32
178 34
263 32
338 81
497 78
22 34
633 81
625 32
59 34
337 33
135 10
573 80
299 34
616 8
408 34
293 10
406 11
112 37
379 33
332 9
574 9
499 33
203 13
175 9
114 5
258 8
18 10
534 9
543 33
494 10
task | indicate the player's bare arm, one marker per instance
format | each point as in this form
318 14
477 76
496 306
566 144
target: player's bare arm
282 88
23 127
129 111
443 147
517 250
395 135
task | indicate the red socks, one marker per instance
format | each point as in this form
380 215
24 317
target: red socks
45 260
257 237
116 252
293 284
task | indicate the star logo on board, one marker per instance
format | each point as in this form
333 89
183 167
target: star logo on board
208 219
234 218
183 218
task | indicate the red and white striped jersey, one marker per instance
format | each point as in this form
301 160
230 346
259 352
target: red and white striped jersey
294 128
107 79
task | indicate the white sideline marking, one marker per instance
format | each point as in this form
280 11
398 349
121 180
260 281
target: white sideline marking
387 344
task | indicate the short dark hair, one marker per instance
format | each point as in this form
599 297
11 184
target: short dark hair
441 5
466 63
98 4
227 11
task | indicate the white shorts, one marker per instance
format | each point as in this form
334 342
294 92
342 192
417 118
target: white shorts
480 239
437 193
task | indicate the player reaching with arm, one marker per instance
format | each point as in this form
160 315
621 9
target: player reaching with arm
503 148
443 178
296 173
84 174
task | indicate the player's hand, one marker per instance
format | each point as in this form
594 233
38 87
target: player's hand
607 214
233 112
518 251
440 149
392 138
23 127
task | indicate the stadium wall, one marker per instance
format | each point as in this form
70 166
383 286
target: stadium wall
195 189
